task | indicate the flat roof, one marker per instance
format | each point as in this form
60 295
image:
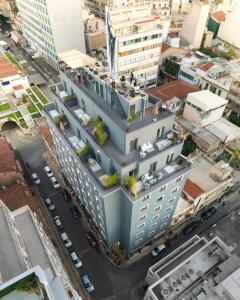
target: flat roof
224 130
7 69
182 204
169 90
206 100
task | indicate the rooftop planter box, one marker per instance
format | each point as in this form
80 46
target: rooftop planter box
110 180
87 149
100 130
131 184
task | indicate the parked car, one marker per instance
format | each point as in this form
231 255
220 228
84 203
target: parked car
190 227
75 211
91 239
66 195
48 171
87 283
208 213
36 179
58 222
7 48
76 260
54 182
49 204
157 250
66 240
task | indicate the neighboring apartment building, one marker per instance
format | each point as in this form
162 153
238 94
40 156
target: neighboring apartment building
8 9
49 28
195 24
134 39
128 173
198 269
25 245
203 108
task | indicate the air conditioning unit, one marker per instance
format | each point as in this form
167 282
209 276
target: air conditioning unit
165 292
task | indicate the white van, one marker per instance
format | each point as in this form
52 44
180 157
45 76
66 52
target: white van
76 260
66 240
156 251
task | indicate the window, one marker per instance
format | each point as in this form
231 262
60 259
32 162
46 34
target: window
101 90
145 198
206 86
160 132
170 157
138 241
157 208
174 190
213 89
163 225
179 179
142 218
155 217
169 209
163 188
143 208
171 200
132 172
160 198
153 167
151 232
141 225
139 234
219 92
153 225
133 144
166 217
132 109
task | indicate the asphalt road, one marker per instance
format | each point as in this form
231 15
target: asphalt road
111 282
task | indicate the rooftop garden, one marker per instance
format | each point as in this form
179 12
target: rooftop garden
134 116
4 107
40 95
100 130
85 150
214 52
110 180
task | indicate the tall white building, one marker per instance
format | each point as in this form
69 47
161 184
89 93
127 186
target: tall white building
134 39
50 27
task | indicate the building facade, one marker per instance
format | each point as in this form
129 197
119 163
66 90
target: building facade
134 39
49 28
140 156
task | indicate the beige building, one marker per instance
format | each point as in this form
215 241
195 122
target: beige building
8 8
204 108
229 28
194 27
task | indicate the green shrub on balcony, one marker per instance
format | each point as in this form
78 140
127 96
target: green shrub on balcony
134 116
86 149
58 119
110 180
131 184
99 130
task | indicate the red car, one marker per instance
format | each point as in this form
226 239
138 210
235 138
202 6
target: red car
92 240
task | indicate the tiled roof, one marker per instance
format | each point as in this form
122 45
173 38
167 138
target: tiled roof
7 69
176 88
192 189
207 66
165 46
7 161
219 15
18 195
45 132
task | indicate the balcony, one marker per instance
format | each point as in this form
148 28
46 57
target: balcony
151 180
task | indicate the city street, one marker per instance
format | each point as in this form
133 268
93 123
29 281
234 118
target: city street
111 282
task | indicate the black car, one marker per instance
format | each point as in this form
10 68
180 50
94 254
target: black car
190 227
7 48
66 195
75 211
208 213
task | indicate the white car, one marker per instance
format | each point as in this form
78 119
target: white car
49 204
156 251
66 240
54 182
48 171
58 222
36 178
76 260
